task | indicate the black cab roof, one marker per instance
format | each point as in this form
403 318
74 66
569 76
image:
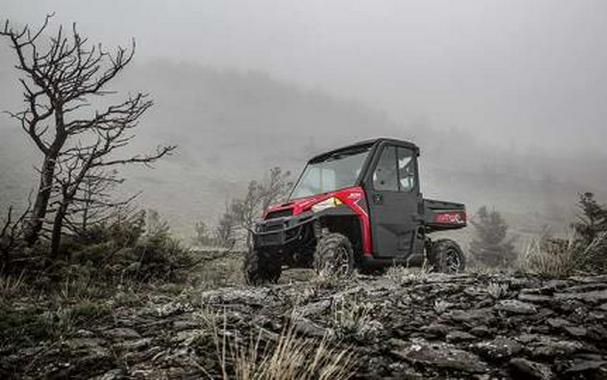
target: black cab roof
366 144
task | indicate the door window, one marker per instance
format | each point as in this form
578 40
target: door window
406 169
385 176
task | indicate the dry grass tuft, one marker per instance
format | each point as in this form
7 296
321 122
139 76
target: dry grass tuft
548 257
561 258
497 290
441 306
11 286
350 316
405 276
290 357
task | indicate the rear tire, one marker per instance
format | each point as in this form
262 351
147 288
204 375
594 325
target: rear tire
446 256
334 256
261 267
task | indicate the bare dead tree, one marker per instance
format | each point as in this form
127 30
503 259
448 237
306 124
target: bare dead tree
260 195
60 76
84 174
226 226
95 202
277 187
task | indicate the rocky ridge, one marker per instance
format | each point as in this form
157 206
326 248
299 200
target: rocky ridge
431 326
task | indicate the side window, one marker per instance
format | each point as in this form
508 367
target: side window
406 169
385 176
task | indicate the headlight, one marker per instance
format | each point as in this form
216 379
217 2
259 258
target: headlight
327 203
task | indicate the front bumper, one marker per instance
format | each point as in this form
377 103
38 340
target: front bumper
282 231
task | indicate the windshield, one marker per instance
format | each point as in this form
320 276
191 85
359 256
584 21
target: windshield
332 172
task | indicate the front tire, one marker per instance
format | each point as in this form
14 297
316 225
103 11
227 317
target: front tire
261 267
446 256
334 256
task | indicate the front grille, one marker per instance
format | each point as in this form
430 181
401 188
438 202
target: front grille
273 226
270 239
280 214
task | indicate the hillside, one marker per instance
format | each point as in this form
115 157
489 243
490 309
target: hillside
231 126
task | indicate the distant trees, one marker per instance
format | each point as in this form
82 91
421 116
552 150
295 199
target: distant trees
592 220
61 75
205 236
490 246
241 213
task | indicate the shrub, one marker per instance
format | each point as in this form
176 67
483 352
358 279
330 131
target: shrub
593 257
592 221
135 247
490 246
121 229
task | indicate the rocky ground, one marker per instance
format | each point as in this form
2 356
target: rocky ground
400 325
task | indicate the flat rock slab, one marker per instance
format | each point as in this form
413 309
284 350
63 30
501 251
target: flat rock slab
441 355
593 369
596 296
538 345
535 298
459 336
498 348
472 317
527 369
119 333
575 331
557 323
516 307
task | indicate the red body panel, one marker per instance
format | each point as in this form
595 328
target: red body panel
353 197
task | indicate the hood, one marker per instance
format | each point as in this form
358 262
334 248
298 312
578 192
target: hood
297 206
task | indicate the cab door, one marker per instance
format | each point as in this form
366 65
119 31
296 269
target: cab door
393 199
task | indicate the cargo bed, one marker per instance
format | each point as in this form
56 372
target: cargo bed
442 215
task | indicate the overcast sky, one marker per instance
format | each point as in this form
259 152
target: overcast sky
512 72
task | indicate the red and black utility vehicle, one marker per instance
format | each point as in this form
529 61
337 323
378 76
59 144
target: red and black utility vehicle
356 207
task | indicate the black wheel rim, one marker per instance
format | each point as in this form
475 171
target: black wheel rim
340 265
453 262
342 261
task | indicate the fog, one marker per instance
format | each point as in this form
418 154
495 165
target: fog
514 72
515 85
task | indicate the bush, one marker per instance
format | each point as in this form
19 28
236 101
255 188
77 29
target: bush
137 247
490 246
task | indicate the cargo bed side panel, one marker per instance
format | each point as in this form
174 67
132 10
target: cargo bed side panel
442 215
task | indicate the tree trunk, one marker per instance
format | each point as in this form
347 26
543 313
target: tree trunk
56 233
47 175
36 219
